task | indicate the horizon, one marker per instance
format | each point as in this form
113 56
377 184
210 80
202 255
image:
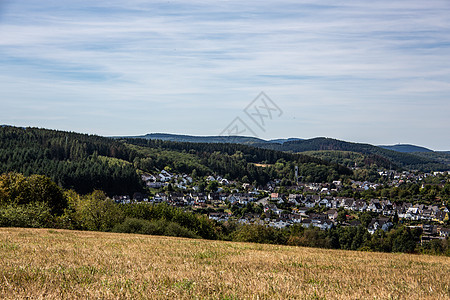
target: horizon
244 136
363 72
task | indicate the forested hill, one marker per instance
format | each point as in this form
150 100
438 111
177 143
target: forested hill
74 161
234 161
397 156
249 140
86 162
405 160
198 139
406 148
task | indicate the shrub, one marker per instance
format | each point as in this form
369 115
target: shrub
35 214
159 227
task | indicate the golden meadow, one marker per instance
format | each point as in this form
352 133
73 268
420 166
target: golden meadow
63 264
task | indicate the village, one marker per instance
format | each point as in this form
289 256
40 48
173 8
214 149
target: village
305 204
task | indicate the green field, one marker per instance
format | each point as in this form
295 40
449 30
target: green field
62 264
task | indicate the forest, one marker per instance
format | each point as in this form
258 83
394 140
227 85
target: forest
382 156
86 163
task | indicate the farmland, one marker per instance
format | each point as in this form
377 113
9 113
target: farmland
55 264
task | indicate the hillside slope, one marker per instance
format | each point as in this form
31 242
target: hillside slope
405 160
86 162
406 148
61 264
397 156
198 139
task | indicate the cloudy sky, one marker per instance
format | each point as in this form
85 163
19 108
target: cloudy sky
364 71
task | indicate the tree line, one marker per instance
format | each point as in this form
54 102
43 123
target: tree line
85 163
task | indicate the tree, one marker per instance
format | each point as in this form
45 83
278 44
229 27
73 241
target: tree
212 186
16 189
97 212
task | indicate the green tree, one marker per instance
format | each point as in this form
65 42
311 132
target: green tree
96 211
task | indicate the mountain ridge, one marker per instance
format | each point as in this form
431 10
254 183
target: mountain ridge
395 156
404 148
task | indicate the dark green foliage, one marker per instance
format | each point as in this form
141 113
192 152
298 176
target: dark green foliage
235 160
405 239
313 237
259 234
397 159
199 225
16 189
93 211
72 160
158 227
86 163
35 214
436 247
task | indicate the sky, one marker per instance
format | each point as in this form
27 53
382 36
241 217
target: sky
365 71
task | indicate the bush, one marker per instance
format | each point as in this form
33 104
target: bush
259 234
159 227
36 214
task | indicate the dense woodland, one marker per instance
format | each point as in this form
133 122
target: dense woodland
234 161
87 162
378 154
72 160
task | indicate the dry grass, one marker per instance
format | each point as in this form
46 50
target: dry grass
61 264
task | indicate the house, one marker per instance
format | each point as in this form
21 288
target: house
292 218
138 197
309 203
306 223
302 210
159 197
332 214
444 232
210 178
325 202
359 205
324 225
375 206
295 199
164 177
380 223
153 184
218 216
233 199
277 197
279 223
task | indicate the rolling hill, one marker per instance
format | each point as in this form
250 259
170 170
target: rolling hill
87 162
399 159
198 139
397 156
406 148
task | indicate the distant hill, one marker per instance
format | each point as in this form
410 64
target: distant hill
398 159
199 139
282 141
440 156
209 139
397 156
87 162
406 148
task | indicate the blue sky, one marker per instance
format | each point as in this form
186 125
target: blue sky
364 71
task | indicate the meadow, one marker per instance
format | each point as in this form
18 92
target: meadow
63 264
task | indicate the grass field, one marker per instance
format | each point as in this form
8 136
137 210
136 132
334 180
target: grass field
61 264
